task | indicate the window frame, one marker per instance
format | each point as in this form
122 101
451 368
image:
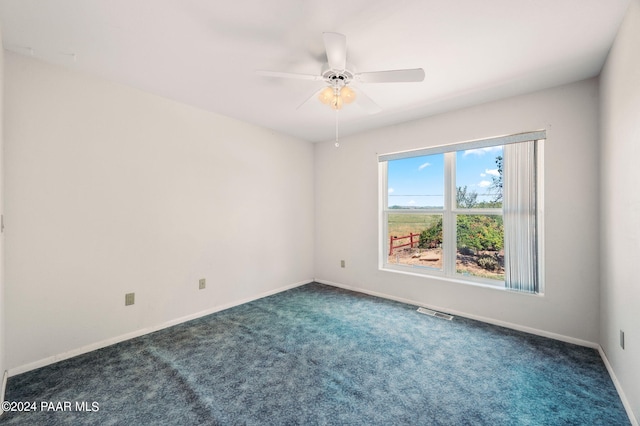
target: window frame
450 211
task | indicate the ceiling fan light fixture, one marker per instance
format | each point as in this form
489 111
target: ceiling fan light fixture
347 94
326 95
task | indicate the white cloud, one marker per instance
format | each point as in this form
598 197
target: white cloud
422 166
390 190
412 202
492 172
483 151
484 184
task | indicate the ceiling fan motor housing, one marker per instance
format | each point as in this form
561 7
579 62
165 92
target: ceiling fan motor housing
337 78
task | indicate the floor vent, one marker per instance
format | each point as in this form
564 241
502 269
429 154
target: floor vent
435 313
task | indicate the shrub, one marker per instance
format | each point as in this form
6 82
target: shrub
474 233
431 237
488 262
480 232
467 251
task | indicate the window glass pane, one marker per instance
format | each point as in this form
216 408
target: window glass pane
415 239
416 182
480 246
479 178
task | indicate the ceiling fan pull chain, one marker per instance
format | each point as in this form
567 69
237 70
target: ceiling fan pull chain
337 143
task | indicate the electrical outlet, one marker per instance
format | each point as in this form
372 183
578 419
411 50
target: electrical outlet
342 264
129 299
202 284
622 339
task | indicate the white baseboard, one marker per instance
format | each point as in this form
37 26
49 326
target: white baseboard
108 342
543 333
616 383
505 324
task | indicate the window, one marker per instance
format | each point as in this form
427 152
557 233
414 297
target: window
469 211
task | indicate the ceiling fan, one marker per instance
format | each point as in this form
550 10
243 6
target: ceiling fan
338 74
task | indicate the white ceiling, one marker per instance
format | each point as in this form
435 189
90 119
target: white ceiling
205 53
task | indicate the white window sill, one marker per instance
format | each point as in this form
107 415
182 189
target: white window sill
425 272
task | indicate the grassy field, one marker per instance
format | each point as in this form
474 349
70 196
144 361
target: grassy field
403 224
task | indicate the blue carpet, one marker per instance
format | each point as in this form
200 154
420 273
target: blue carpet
322 355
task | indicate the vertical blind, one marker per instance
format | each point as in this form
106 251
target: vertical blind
520 221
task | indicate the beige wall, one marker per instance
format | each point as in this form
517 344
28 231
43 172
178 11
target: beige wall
620 204
110 190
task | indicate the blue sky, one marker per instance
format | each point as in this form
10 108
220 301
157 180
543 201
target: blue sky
419 181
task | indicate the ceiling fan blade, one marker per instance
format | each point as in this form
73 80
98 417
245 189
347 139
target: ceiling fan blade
279 74
365 102
310 98
336 46
392 76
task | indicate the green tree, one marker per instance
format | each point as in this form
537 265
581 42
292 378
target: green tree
496 185
466 199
